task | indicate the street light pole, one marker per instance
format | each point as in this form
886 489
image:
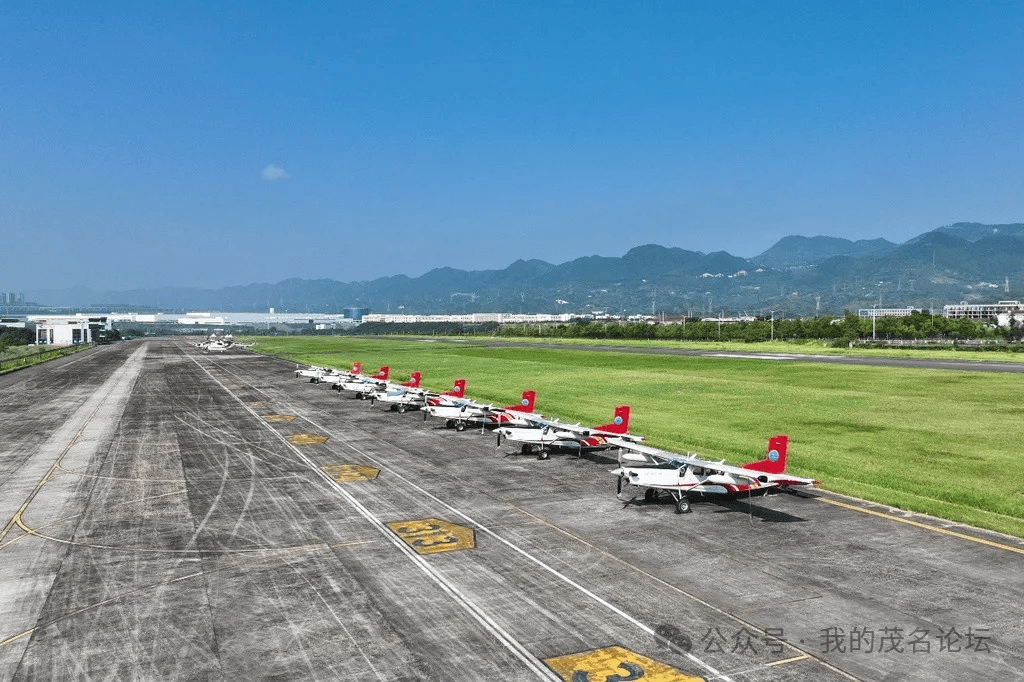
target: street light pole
773 325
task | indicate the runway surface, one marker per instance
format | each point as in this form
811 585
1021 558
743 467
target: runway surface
174 515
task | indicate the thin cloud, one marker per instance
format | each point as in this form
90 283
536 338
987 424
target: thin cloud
272 173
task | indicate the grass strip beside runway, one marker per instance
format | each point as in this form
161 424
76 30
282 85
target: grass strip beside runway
939 442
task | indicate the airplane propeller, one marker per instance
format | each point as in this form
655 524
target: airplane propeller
618 486
424 415
499 439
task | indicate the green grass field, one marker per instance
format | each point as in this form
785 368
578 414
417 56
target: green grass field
933 441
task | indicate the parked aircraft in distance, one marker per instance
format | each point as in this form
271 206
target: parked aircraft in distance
546 434
459 413
218 344
685 475
318 374
363 386
402 396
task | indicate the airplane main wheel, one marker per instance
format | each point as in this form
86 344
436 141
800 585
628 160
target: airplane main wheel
543 454
682 505
460 426
401 409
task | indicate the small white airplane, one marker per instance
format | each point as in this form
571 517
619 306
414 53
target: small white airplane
317 374
546 435
363 386
686 475
404 396
459 411
218 344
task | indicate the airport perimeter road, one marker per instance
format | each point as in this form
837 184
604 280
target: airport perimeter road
174 515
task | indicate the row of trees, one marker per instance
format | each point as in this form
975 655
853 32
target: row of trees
840 330
16 336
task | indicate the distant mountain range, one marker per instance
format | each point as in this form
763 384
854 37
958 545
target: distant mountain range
797 276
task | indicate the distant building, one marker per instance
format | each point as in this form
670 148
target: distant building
68 330
355 313
984 311
200 318
887 312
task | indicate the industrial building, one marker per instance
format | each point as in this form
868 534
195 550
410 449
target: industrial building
984 311
68 330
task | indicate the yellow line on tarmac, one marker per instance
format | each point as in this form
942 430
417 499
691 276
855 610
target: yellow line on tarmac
953 533
787 660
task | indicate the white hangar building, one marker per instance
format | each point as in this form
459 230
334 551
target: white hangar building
67 330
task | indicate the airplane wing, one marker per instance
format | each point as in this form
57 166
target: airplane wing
646 455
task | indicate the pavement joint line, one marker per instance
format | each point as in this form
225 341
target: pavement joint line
918 524
478 614
166 480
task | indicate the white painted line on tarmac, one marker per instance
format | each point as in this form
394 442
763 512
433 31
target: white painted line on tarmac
478 614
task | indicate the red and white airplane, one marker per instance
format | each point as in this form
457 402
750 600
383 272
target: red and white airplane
459 412
687 475
326 375
363 386
403 396
545 434
457 392
519 414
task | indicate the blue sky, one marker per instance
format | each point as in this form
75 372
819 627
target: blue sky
218 143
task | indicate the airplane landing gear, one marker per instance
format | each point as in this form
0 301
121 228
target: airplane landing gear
682 505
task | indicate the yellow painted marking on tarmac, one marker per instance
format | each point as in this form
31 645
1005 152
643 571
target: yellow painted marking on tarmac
16 519
614 663
348 473
278 418
804 657
258 404
430 536
944 531
306 439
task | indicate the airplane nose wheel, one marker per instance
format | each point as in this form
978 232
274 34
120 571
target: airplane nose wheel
682 505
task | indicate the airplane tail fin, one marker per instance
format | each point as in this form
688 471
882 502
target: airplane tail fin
526 404
414 380
357 368
775 461
382 373
620 423
458 389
